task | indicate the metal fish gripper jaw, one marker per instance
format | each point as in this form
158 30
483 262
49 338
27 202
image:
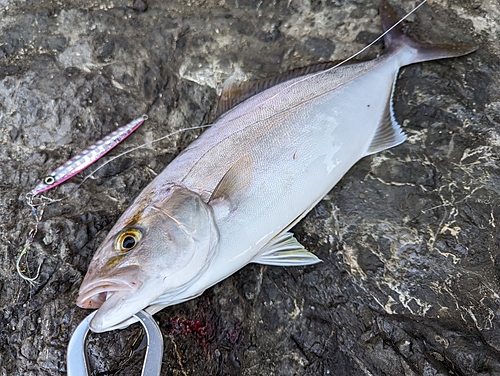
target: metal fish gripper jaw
76 358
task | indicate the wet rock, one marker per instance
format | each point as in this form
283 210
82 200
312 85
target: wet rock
409 238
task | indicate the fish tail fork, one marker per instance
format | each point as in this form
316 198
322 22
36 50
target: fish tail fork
397 38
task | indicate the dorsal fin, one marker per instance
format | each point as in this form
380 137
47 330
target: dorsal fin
234 92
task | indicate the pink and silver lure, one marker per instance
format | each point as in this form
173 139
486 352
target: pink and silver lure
87 157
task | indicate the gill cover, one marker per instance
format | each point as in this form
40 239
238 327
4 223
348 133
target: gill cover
181 236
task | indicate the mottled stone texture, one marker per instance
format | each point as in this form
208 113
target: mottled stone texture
409 238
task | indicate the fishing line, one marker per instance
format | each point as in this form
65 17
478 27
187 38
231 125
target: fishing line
343 61
205 126
140 147
357 53
376 39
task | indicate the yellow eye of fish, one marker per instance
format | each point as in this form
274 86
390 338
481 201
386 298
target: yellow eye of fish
127 240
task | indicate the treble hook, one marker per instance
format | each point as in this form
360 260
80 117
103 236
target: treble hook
76 358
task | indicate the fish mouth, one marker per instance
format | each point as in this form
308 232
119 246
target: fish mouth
96 293
117 298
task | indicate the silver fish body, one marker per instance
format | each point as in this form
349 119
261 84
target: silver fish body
230 197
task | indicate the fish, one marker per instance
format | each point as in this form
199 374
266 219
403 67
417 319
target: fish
231 197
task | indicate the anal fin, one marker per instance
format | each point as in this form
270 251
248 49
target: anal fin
285 250
389 133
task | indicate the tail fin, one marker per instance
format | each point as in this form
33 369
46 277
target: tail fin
396 38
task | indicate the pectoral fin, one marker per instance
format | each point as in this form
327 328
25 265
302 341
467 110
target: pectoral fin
235 182
285 250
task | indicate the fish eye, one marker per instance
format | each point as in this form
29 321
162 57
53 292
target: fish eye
49 180
127 240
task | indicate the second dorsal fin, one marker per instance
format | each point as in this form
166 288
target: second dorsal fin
234 91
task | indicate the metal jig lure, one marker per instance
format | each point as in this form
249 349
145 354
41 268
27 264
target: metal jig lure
87 157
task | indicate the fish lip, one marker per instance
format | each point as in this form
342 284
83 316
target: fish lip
97 292
118 309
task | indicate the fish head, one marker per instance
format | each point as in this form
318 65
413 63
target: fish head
160 246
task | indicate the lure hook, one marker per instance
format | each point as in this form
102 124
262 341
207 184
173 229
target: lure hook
31 236
76 357
31 280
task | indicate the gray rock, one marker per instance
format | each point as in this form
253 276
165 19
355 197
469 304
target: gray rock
409 238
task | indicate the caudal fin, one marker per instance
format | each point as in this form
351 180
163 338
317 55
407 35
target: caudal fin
397 38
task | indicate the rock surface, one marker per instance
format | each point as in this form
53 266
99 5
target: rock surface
409 238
